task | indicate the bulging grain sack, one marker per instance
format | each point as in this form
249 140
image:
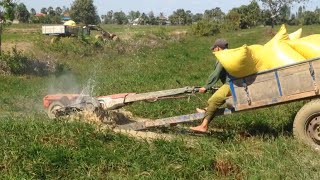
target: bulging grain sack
70 23
277 54
237 62
254 50
247 60
280 36
295 35
308 47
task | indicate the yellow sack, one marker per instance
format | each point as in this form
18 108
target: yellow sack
308 47
295 35
70 23
237 62
280 36
248 60
279 54
254 51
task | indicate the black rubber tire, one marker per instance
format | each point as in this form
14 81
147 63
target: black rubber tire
53 106
306 126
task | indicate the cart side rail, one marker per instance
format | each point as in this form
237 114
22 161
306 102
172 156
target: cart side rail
278 85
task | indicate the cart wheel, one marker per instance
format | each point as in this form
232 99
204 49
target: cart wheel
306 125
52 110
90 107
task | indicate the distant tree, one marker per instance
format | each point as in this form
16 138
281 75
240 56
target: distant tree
33 11
179 17
215 14
197 17
120 18
275 6
7 8
65 10
98 19
84 11
143 19
132 15
6 13
310 18
249 14
293 20
44 10
265 17
317 12
232 21
51 11
22 13
108 18
300 13
189 17
205 27
55 19
284 14
58 11
151 18
103 17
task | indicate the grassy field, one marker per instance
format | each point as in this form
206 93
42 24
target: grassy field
251 145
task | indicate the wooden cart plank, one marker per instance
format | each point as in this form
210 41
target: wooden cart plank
277 100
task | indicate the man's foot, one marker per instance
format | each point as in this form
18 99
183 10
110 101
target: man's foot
199 129
200 110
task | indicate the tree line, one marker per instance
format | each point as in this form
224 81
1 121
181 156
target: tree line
245 16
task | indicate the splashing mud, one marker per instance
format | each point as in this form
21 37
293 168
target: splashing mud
110 120
102 120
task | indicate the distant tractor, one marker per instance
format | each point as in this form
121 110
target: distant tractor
70 29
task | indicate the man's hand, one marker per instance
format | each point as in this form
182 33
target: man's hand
202 90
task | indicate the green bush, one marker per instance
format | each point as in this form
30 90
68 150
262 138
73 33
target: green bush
161 33
81 45
232 21
205 28
230 26
4 68
16 62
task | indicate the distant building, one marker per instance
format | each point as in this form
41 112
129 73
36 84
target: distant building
40 15
135 22
163 20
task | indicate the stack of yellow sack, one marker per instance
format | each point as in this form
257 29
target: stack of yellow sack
282 49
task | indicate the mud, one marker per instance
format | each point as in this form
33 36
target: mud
145 135
110 120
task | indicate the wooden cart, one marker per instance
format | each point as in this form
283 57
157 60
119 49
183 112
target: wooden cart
281 85
275 86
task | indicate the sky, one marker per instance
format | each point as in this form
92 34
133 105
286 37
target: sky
157 6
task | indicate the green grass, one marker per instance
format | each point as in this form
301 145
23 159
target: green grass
18 37
255 144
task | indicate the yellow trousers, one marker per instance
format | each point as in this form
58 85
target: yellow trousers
216 100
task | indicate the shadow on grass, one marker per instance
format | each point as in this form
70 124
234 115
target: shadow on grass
257 129
261 129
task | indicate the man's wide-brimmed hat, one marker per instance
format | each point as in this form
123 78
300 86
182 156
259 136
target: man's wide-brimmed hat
220 43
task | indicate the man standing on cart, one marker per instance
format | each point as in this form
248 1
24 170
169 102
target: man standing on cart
219 97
